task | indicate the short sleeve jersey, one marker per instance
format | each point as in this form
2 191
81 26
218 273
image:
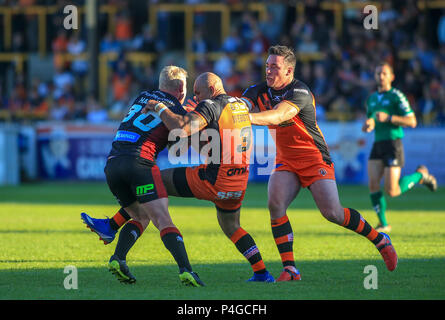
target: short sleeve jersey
229 131
392 102
300 138
144 135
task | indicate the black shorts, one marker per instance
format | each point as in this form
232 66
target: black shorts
130 180
389 151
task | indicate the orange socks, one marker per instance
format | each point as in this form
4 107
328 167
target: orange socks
284 239
246 245
355 222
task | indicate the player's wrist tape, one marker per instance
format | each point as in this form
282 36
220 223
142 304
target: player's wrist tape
159 108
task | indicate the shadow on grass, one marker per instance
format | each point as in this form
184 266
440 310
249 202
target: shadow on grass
97 193
327 280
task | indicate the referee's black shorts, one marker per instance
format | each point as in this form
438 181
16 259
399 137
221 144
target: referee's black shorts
131 179
389 151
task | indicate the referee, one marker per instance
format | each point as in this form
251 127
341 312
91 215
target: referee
388 112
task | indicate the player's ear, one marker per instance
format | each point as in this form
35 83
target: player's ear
212 91
182 92
290 71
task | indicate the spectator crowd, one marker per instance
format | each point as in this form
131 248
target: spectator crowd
339 68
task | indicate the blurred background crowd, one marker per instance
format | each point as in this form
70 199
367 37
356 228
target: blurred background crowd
337 55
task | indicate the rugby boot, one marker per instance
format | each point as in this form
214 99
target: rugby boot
100 226
388 252
261 277
428 180
289 274
120 269
190 278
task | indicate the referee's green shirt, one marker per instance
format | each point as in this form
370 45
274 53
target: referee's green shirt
392 102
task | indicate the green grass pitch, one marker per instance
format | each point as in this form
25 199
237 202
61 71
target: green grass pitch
41 233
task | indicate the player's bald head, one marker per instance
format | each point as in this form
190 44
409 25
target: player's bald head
207 80
208 85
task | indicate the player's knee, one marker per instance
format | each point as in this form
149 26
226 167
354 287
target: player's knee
229 228
144 222
229 222
276 207
161 219
374 185
333 215
392 192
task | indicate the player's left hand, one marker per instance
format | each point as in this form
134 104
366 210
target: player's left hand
190 105
382 116
150 106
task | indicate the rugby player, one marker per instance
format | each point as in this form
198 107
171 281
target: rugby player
388 111
287 106
135 180
223 179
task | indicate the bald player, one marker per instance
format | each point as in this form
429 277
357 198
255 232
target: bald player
223 178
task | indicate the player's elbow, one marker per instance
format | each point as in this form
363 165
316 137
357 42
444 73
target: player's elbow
283 117
413 123
176 124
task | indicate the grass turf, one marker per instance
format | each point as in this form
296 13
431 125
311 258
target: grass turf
41 234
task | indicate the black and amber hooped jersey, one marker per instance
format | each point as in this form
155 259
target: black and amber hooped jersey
228 122
300 138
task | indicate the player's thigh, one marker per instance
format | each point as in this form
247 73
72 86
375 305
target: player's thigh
392 177
116 173
375 174
146 182
283 187
176 183
167 179
325 194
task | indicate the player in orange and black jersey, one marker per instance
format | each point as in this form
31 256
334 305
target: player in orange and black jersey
135 180
298 138
287 107
223 179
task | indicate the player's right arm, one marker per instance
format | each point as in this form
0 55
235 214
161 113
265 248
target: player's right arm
189 124
282 112
404 116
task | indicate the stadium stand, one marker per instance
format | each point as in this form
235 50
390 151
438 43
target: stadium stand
43 66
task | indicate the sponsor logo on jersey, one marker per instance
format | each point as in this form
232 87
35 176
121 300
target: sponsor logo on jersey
301 91
126 136
322 171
